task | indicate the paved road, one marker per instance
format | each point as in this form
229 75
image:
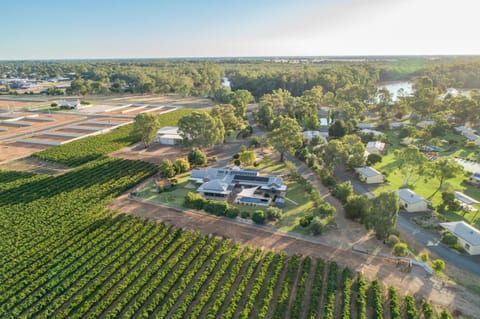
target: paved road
432 242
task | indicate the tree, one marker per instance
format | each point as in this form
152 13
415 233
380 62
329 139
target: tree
400 249
334 154
181 165
384 213
338 129
259 217
438 265
443 170
167 169
358 207
342 191
286 137
145 126
197 157
226 113
411 161
240 99
201 130
373 159
247 157
355 150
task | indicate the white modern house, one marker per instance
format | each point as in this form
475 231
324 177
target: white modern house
411 201
475 178
375 147
240 186
466 201
369 175
168 135
468 236
309 135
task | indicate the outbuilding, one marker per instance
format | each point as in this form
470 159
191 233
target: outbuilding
375 147
468 236
369 175
168 135
411 201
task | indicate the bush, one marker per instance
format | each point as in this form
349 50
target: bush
194 200
306 220
448 238
245 214
400 249
373 159
273 213
438 265
173 182
259 217
342 191
217 208
392 240
181 165
236 156
167 169
197 157
357 207
236 162
423 257
317 226
325 209
232 212
327 178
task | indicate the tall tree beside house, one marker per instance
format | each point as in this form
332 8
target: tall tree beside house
145 126
240 99
383 214
286 137
201 130
411 161
443 170
226 113
334 154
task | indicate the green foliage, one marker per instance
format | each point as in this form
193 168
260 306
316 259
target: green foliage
342 191
438 265
448 238
167 169
445 315
273 213
392 240
332 285
306 220
338 129
400 249
200 129
377 300
427 310
194 200
394 303
247 157
181 165
145 127
410 307
361 297
357 207
218 208
259 217
197 157
286 137
373 159
232 212
384 213
346 293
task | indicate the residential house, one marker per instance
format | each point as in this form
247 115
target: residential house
396 125
168 135
466 201
69 104
375 147
468 236
240 186
309 135
475 178
369 131
412 202
369 175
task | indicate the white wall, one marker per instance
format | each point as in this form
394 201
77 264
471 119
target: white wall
374 180
412 208
473 250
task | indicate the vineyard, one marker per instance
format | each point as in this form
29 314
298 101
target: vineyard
90 148
63 255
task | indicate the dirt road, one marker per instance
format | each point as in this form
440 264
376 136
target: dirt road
440 293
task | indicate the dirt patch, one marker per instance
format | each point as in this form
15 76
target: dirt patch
34 165
417 283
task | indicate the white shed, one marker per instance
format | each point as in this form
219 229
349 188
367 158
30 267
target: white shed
412 202
375 147
168 135
369 175
468 236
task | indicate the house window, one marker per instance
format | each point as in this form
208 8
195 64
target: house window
467 246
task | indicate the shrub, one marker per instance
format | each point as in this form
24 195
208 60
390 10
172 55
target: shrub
342 191
449 238
317 226
273 213
392 240
438 265
237 162
194 200
217 208
245 214
167 169
306 220
236 156
259 217
373 159
325 209
423 257
357 207
400 249
232 212
173 182
197 157
181 165
247 157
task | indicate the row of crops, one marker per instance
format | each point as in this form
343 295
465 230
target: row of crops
91 148
64 255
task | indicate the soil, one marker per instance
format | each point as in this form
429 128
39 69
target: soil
417 283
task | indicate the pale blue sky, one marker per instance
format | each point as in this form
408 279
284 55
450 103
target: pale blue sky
51 29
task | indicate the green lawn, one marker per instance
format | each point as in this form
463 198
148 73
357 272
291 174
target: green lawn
296 204
427 188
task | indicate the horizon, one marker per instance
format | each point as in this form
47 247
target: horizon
58 30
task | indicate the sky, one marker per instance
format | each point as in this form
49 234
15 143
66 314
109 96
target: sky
64 29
